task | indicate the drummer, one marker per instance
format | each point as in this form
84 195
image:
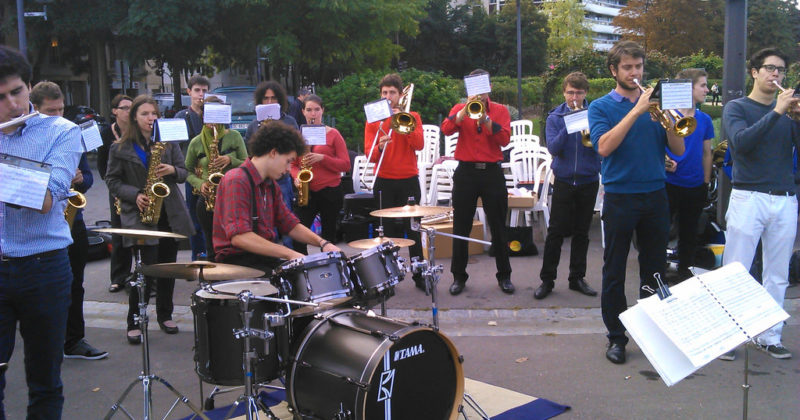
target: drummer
250 210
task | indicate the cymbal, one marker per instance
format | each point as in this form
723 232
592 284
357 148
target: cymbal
191 271
410 211
141 233
373 242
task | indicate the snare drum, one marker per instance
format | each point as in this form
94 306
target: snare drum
317 278
376 271
217 354
374 368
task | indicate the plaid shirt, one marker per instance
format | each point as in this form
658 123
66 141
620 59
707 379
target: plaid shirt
232 212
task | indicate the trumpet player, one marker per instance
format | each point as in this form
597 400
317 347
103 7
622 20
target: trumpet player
228 151
397 178
632 147
576 168
763 204
48 100
326 162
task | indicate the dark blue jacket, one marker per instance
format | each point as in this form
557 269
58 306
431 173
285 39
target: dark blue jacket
573 162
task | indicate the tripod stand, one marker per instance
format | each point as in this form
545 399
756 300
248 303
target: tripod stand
145 377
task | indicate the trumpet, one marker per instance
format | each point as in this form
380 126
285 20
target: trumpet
74 203
671 119
586 138
794 112
476 110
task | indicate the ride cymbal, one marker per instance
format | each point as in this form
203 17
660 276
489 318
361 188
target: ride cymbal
410 211
373 242
191 271
141 233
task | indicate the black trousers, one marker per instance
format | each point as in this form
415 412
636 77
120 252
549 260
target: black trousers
469 183
165 252
647 214
688 204
395 193
120 256
206 220
78 254
571 212
326 202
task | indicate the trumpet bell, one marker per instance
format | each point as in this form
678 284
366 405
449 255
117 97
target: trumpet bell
685 126
476 110
403 122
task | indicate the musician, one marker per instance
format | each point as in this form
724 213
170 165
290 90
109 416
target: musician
128 166
198 87
35 275
632 147
250 209
576 169
120 255
297 104
397 178
327 162
688 174
763 202
231 153
479 175
48 100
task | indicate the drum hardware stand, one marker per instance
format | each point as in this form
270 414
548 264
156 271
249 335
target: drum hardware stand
473 405
145 377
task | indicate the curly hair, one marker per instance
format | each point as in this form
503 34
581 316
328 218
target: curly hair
275 87
275 135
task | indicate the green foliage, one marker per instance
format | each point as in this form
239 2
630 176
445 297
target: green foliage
569 34
660 66
504 90
711 62
773 23
534 40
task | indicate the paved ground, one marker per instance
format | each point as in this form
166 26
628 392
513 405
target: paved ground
552 348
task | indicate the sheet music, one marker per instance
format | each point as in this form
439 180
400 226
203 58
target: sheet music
577 121
24 181
216 113
377 110
171 129
314 135
676 94
268 112
91 137
477 84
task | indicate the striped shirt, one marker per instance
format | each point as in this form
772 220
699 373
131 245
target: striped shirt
52 140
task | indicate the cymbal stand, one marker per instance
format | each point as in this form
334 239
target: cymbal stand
145 377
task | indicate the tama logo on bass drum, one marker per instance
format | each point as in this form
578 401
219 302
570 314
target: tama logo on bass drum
408 352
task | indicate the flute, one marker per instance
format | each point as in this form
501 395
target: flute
18 120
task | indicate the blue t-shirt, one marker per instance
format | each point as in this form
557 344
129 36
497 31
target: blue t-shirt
689 172
637 165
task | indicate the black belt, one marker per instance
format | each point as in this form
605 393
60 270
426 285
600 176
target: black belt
479 165
45 254
781 192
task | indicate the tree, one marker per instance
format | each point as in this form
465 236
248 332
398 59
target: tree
773 23
568 33
534 40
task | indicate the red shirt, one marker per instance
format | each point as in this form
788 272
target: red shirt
485 146
400 160
234 205
328 171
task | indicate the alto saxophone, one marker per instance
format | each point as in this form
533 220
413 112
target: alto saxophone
74 203
213 178
155 188
304 177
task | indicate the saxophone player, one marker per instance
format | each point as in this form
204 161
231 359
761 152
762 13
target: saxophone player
129 166
217 149
328 161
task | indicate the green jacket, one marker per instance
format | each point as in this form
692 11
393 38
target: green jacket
231 145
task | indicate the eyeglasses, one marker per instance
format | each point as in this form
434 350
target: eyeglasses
771 68
124 108
575 92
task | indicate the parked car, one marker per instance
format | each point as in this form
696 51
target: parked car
166 102
80 114
243 109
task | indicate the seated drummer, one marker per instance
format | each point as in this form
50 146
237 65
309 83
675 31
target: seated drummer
250 210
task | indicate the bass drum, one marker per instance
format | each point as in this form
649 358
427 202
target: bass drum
356 366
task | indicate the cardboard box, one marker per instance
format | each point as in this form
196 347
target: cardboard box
516 202
444 244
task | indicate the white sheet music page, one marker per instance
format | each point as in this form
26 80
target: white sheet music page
268 112
171 129
24 181
216 113
91 136
314 134
477 84
377 110
676 94
577 121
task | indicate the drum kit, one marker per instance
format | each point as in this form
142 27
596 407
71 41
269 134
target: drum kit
309 326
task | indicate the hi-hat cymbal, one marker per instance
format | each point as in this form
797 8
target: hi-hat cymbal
141 233
410 211
373 242
191 271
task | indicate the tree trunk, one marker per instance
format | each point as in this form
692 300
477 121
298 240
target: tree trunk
99 97
177 74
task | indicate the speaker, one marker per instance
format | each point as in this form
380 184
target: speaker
520 242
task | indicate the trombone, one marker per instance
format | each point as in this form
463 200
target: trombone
671 119
794 112
402 121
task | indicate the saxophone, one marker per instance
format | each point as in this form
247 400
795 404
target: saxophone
74 203
213 178
304 177
155 188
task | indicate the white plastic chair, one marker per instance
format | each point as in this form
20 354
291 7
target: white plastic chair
441 187
521 127
430 152
544 176
450 144
530 166
358 168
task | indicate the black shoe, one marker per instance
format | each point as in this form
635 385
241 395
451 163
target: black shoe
134 336
616 353
457 287
115 287
506 286
581 286
83 350
543 290
169 329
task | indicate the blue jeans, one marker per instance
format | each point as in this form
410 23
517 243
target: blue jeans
36 293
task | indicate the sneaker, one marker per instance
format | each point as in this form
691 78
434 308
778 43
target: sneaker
775 350
84 350
728 356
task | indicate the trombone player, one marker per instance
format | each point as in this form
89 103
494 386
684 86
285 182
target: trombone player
576 168
397 177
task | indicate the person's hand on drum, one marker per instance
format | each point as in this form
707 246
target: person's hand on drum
329 247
